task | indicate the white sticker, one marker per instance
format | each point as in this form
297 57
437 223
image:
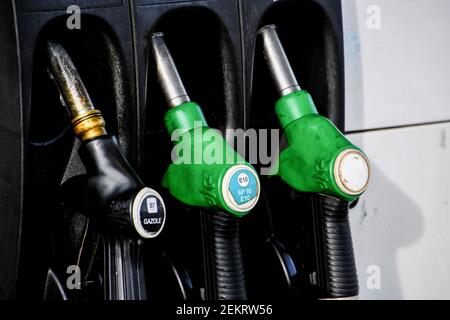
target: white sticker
151 205
243 179
240 188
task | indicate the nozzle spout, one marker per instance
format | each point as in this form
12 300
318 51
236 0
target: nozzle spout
277 61
168 76
68 81
87 122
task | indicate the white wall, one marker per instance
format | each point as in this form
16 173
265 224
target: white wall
402 223
400 76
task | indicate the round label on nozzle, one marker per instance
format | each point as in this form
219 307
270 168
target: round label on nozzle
149 213
352 171
240 188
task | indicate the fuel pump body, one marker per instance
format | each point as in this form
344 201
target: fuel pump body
131 22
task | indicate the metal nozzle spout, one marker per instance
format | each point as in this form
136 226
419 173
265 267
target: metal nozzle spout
68 81
87 122
277 61
168 76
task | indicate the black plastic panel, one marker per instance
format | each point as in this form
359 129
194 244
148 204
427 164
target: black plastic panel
62 5
103 53
311 32
11 157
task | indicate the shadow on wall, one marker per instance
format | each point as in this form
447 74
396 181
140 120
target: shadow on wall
379 232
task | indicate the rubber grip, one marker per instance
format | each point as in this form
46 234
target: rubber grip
226 257
335 261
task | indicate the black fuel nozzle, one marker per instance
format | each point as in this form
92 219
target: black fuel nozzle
110 184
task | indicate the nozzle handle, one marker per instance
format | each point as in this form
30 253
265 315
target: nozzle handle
224 278
337 277
168 76
277 61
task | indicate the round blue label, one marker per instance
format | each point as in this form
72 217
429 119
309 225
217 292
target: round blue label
243 186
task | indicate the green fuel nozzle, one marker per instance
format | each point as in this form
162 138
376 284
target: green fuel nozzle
319 158
206 171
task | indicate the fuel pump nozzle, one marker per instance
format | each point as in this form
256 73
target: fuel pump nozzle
110 191
321 161
186 118
110 179
332 164
212 176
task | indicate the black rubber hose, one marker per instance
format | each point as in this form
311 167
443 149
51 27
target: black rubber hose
227 257
335 260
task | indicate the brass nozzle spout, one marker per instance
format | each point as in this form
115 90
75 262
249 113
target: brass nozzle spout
87 122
